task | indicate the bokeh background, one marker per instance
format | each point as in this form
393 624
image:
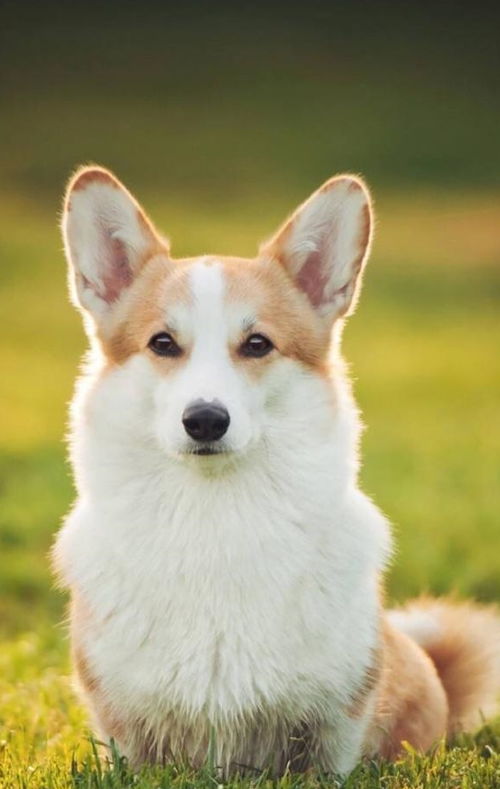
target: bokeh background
221 118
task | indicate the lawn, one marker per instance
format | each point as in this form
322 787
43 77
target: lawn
221 121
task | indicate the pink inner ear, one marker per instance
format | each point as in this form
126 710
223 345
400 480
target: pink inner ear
312 279
117 274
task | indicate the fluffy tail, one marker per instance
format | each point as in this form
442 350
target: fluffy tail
463 641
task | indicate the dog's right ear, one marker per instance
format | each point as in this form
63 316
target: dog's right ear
107 238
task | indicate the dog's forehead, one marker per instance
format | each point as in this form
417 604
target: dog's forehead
209 315
212 284
221 290
205 274
207 286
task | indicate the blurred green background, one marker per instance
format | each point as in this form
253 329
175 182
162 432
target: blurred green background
221 118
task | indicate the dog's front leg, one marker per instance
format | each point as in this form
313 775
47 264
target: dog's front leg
341 742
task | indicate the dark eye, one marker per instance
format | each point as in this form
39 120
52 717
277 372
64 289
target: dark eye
256 346
164 344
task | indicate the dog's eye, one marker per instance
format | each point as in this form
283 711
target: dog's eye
164 344
256 346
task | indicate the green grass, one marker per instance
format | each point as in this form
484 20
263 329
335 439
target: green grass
44 743
222 119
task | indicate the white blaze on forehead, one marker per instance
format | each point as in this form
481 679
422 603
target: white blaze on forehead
209 325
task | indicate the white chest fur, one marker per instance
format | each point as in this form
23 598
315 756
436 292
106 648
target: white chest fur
225 596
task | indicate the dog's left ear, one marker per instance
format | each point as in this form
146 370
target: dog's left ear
325 243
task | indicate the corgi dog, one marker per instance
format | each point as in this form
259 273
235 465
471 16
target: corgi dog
225 569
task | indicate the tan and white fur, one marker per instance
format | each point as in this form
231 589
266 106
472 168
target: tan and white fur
232 597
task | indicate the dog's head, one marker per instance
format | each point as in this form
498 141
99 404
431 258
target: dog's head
213 355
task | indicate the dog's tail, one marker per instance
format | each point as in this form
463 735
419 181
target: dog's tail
463 641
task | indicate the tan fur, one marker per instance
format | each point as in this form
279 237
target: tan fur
465 649
141 312
282 312
86 175
411 704
89 682
364 250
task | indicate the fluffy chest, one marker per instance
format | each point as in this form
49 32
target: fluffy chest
220 606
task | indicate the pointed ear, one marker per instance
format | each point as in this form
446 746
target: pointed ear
325 244
107 238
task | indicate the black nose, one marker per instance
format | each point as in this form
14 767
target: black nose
205 421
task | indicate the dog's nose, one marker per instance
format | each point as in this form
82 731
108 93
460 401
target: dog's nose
205 421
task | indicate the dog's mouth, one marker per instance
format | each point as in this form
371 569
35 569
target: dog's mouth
206 451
